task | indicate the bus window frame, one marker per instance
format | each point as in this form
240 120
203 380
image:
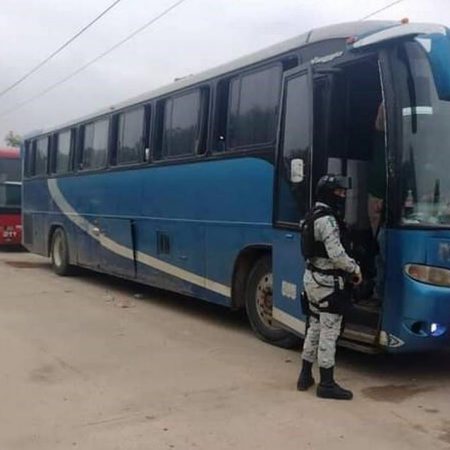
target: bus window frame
393 137
149 119
26 172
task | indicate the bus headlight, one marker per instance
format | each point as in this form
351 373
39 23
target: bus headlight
427 328
428 274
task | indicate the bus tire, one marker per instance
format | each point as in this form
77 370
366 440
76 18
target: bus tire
59 253
258 304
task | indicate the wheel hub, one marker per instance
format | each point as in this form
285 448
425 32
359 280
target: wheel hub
57 258
264 293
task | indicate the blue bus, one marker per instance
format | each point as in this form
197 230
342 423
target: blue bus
199 187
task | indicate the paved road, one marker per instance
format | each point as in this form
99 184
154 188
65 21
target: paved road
86 364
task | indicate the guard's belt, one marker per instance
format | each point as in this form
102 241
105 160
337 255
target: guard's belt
330 272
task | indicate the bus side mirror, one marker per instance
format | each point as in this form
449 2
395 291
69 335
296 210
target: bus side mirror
297 170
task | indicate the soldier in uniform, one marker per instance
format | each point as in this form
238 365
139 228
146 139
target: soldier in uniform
327 267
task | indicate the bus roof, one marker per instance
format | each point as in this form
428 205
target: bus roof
9 153
339 31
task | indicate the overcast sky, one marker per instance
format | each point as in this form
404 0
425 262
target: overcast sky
197 35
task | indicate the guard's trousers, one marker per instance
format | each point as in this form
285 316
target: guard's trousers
321 338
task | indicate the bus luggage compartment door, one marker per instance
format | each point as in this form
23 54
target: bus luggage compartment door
117 252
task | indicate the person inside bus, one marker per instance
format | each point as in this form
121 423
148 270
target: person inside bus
325 250
376 186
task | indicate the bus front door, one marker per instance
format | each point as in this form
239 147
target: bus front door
292 196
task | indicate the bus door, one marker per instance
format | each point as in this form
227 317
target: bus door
293 191
117 252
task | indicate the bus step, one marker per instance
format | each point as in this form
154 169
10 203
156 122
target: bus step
363 316
360 333
360 347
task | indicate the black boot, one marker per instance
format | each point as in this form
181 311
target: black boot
305 379
328 388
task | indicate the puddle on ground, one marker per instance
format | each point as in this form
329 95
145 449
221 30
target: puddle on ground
393 393
26 264
445 432
45 374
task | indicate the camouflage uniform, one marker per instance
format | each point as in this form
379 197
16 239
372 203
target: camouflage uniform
322 334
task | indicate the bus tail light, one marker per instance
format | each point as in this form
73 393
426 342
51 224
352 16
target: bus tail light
429 274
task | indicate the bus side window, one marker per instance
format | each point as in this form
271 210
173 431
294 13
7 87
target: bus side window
181 125
129 138
41 156
94 148
253 103
61 152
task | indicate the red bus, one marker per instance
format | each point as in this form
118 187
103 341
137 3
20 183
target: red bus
10 197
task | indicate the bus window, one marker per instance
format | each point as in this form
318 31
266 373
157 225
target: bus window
9 169
425 187
10 195
62 155
95 145
253 108
130 136
181 126
41 157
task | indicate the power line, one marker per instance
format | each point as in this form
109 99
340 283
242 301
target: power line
102 55
390 5
59 49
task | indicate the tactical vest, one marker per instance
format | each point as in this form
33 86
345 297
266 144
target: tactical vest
316 249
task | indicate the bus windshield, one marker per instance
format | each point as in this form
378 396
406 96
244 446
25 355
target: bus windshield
422 70
9 169
10 195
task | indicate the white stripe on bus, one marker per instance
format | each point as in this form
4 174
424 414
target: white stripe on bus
292 322
125 252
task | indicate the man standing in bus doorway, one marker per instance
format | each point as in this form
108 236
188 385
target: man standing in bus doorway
324 247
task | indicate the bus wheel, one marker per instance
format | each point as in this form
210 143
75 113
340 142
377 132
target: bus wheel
258 303
60 253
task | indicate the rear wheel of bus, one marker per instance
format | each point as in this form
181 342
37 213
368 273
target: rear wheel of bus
59 253
258 303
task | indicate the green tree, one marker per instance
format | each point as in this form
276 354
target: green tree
13 140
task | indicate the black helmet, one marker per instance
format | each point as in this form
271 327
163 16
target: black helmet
325 191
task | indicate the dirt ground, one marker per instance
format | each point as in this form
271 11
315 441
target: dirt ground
93 362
